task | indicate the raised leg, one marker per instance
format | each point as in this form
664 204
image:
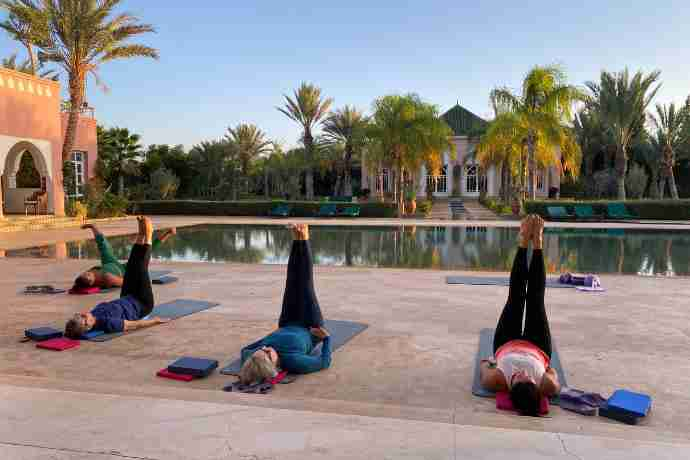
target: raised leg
537 328
137 282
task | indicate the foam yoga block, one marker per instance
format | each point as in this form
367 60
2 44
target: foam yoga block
166 374
626 406
197 367
59 344
39 334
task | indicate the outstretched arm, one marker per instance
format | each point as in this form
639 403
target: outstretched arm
142 323
491 377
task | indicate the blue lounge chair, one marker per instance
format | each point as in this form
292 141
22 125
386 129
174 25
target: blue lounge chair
327 210
349 211
585 212
558 213
281 210
618 211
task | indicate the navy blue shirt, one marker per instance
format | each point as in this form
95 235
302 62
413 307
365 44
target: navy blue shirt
111 316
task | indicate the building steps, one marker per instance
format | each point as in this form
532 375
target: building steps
477 211
457 209
440 210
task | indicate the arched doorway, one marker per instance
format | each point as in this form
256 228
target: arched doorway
457 180
25 171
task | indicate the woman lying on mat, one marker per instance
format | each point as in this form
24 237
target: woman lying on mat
110 273
136 296
523 357
300 327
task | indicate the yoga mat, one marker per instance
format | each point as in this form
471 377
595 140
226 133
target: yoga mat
172 310
497 281
341 333
154 275
486 350
165 280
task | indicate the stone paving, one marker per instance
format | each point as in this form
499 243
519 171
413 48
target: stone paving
413 365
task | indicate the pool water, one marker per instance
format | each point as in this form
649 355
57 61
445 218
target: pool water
643 252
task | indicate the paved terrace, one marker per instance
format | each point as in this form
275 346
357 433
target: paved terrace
399 390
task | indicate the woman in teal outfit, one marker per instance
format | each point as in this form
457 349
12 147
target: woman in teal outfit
300 327
111 272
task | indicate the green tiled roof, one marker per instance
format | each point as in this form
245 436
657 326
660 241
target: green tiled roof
463 122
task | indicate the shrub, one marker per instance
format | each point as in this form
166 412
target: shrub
164 184
424 208
643 209
605 183
77 209
250 208
636 181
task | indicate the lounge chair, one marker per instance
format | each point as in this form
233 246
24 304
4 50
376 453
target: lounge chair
281 210
558 213
327 210
618 211
585 212
349 211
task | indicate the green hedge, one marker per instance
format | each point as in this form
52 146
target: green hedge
250 208
643 209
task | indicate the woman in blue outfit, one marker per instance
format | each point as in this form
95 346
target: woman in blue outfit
300 327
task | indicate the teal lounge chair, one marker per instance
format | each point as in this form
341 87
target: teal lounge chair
585 212
349 211
327 210
618 211
558 213
281 210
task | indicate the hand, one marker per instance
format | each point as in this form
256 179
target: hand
159 320
87 227
173 231
319 332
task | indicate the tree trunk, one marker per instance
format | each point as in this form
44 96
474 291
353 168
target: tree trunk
266 191
347 178
309 171
621 171
669 161
121 185
32 58
531 166
76 87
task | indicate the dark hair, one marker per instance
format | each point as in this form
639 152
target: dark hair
74 329
526 398
81 282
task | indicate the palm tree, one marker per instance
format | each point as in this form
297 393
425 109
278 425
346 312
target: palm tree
307 108
250 142
24 25
670 124
542 109
622 104
81 35
120 153
346 126
212 160
25 67
405 133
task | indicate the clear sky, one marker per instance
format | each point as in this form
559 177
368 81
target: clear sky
225 62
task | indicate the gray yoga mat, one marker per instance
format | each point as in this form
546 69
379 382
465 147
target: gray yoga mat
497 281
486 350
341 333
171 310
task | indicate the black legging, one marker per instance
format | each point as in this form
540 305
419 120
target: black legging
300 306
137 282
525 284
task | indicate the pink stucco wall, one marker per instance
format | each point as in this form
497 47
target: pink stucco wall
30 110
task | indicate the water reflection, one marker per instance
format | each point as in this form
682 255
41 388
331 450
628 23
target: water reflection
469 248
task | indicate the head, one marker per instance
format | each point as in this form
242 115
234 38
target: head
261 365
526 398
79 324
85 280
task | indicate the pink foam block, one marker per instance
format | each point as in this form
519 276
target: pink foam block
58 344
166 374
85 291
503 402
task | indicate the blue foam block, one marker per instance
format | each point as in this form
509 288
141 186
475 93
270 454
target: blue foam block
198 367
635 404
39 334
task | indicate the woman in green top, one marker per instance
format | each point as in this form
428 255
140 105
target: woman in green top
111 272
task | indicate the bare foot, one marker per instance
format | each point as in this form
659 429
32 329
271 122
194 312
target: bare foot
148 229
299 231
538 233
525 234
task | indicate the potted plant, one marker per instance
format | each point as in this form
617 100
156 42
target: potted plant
411 202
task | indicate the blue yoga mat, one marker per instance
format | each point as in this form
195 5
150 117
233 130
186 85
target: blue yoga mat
486 350
171 310
341 333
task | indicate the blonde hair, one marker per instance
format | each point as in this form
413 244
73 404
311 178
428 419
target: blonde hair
257 368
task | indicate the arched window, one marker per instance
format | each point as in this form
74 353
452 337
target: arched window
27 174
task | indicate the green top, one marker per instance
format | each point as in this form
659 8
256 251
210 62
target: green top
109 263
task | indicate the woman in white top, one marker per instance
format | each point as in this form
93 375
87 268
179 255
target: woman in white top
522 358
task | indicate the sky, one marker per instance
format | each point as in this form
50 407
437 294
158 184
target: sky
226 62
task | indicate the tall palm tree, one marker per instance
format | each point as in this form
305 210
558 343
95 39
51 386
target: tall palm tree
622 103
543 109
24 25
346 126
251 143
120 153
670 123
81 35
210 160
307 108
